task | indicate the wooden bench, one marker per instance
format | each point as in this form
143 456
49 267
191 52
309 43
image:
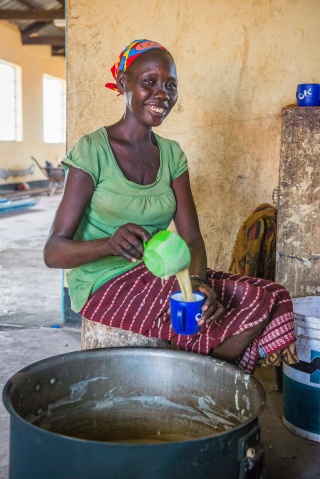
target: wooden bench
21 194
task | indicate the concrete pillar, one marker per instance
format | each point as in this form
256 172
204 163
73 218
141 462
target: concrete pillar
298 237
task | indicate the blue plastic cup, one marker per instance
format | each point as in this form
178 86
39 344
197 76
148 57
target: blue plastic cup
184 314
308 94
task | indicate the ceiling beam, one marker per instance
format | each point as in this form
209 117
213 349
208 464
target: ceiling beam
33 28
57 51
44 40
40 15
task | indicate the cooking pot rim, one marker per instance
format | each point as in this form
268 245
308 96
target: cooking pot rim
144 351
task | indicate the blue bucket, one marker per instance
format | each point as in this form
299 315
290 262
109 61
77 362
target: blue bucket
301 382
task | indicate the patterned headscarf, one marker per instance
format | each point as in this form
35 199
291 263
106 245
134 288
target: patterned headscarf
129 55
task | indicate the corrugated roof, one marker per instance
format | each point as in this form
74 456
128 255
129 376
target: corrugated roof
35 20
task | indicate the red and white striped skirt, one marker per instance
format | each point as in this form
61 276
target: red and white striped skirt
138 301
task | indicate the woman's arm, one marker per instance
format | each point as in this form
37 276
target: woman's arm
61 251
187 225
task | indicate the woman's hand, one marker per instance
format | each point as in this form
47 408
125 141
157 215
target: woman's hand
128 242
187 226
212 309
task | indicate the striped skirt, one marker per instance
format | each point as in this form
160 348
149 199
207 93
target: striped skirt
138 301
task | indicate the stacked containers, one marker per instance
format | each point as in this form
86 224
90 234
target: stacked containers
301 382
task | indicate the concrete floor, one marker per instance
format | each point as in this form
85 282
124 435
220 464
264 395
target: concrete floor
31 292
31 304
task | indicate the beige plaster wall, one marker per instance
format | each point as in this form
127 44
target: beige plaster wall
238 65
34 61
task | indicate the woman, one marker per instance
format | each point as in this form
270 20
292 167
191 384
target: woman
124 184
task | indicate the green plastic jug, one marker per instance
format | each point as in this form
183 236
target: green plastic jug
166 254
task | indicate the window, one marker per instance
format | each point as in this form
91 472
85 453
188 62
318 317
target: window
54 110
10 102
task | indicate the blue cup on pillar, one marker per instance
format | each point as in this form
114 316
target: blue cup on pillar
308 94
186 314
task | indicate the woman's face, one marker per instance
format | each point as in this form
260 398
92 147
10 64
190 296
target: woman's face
150 87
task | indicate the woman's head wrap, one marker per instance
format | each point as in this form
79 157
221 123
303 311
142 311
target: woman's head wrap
129 55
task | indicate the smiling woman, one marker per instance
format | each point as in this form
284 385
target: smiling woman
124 184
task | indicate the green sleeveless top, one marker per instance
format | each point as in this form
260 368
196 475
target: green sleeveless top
117 201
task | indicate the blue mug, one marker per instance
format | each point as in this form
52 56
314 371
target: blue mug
308 94
186 314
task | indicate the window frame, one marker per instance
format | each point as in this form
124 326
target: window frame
47 139
17 96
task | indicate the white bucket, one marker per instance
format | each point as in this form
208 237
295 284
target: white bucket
301 383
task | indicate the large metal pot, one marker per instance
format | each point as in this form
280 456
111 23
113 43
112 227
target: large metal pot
183 416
